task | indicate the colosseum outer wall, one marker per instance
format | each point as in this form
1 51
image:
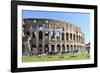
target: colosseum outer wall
47 36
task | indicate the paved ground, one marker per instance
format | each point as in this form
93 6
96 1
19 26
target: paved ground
56 57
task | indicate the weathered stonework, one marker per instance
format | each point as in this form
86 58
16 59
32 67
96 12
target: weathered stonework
47 36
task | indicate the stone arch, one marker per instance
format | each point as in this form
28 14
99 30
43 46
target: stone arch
62 36
71 48
58 48
63 48
74 49
68 49
28 33
33 35
52 48
40 35
71 36
67 36
77 38
46 48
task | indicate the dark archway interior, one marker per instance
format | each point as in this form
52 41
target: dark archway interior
74 37
63 48
52 48
40 35
33 34
46 48
62 36
28 33
66 36
71 36
58 48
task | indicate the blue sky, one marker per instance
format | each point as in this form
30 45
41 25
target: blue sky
80 19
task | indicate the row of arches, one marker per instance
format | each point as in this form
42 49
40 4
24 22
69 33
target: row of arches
66 48
72 37
57 48
52 49
64 27
56 34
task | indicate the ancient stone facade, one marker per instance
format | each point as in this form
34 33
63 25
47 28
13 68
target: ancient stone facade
47 36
